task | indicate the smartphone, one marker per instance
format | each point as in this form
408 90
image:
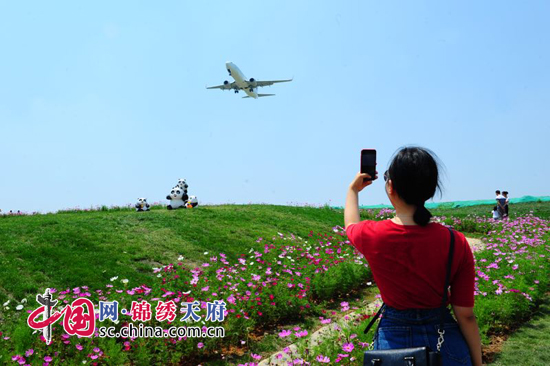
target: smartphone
368 162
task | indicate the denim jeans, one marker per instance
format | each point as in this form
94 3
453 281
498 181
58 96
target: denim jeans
418 328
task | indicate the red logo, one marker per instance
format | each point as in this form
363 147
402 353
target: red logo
78 317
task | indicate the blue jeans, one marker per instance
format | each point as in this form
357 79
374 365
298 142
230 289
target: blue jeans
418 328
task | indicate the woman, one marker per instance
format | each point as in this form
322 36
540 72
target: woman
408 257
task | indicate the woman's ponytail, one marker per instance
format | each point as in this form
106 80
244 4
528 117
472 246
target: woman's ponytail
421 215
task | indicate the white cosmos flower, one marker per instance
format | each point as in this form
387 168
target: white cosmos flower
23 301
19 307
205 253
124 281
180 258
159 275
114 278
7 303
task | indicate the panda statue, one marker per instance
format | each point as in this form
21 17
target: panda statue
192 202
142 204
182 183
177 198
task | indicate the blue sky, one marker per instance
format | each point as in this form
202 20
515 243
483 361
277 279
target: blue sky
104 102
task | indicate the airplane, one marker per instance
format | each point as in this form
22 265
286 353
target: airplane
250 87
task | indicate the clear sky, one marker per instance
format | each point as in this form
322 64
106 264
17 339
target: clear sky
103 102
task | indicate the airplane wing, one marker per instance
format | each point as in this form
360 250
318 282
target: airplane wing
271 82
261 95
223 86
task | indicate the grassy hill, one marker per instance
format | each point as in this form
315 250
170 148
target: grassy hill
87 248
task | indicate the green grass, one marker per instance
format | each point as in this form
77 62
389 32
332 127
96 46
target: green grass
529 345
88 248
77 248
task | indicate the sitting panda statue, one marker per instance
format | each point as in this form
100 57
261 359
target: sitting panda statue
142 204
177 198
192 202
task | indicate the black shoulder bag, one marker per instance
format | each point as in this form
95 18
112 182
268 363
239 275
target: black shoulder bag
417 356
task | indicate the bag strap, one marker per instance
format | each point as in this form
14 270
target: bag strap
374 318
447 279
445 290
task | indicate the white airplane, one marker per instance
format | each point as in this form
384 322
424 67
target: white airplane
250 87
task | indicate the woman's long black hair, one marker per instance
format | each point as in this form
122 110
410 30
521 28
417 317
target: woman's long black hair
415 177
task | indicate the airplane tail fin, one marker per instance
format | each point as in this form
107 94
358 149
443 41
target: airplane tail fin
261 95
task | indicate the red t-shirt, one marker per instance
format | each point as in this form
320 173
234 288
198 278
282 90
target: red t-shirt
409 263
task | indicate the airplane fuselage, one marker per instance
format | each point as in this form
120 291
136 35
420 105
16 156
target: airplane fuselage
241 80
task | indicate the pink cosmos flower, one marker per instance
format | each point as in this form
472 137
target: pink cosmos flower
200 345
29 352
323 359
348 347
285 333
47 359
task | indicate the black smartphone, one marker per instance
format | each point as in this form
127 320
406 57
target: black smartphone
368 162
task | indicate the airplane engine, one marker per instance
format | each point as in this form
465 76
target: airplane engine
252 82
226 82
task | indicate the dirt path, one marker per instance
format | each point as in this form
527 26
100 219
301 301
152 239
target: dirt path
318 336
476 244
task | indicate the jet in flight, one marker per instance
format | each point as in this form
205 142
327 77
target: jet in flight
250 87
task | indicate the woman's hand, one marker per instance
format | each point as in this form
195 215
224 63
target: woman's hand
360 181
351 211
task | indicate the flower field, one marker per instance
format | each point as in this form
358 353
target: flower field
276 282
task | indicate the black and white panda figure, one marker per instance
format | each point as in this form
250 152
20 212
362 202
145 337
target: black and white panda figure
192 202
177 198
142 205
182 183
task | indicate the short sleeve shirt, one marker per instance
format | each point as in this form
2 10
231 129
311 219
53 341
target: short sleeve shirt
409 262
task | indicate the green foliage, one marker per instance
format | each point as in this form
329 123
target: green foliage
339 280
529 345
74 248
89 247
